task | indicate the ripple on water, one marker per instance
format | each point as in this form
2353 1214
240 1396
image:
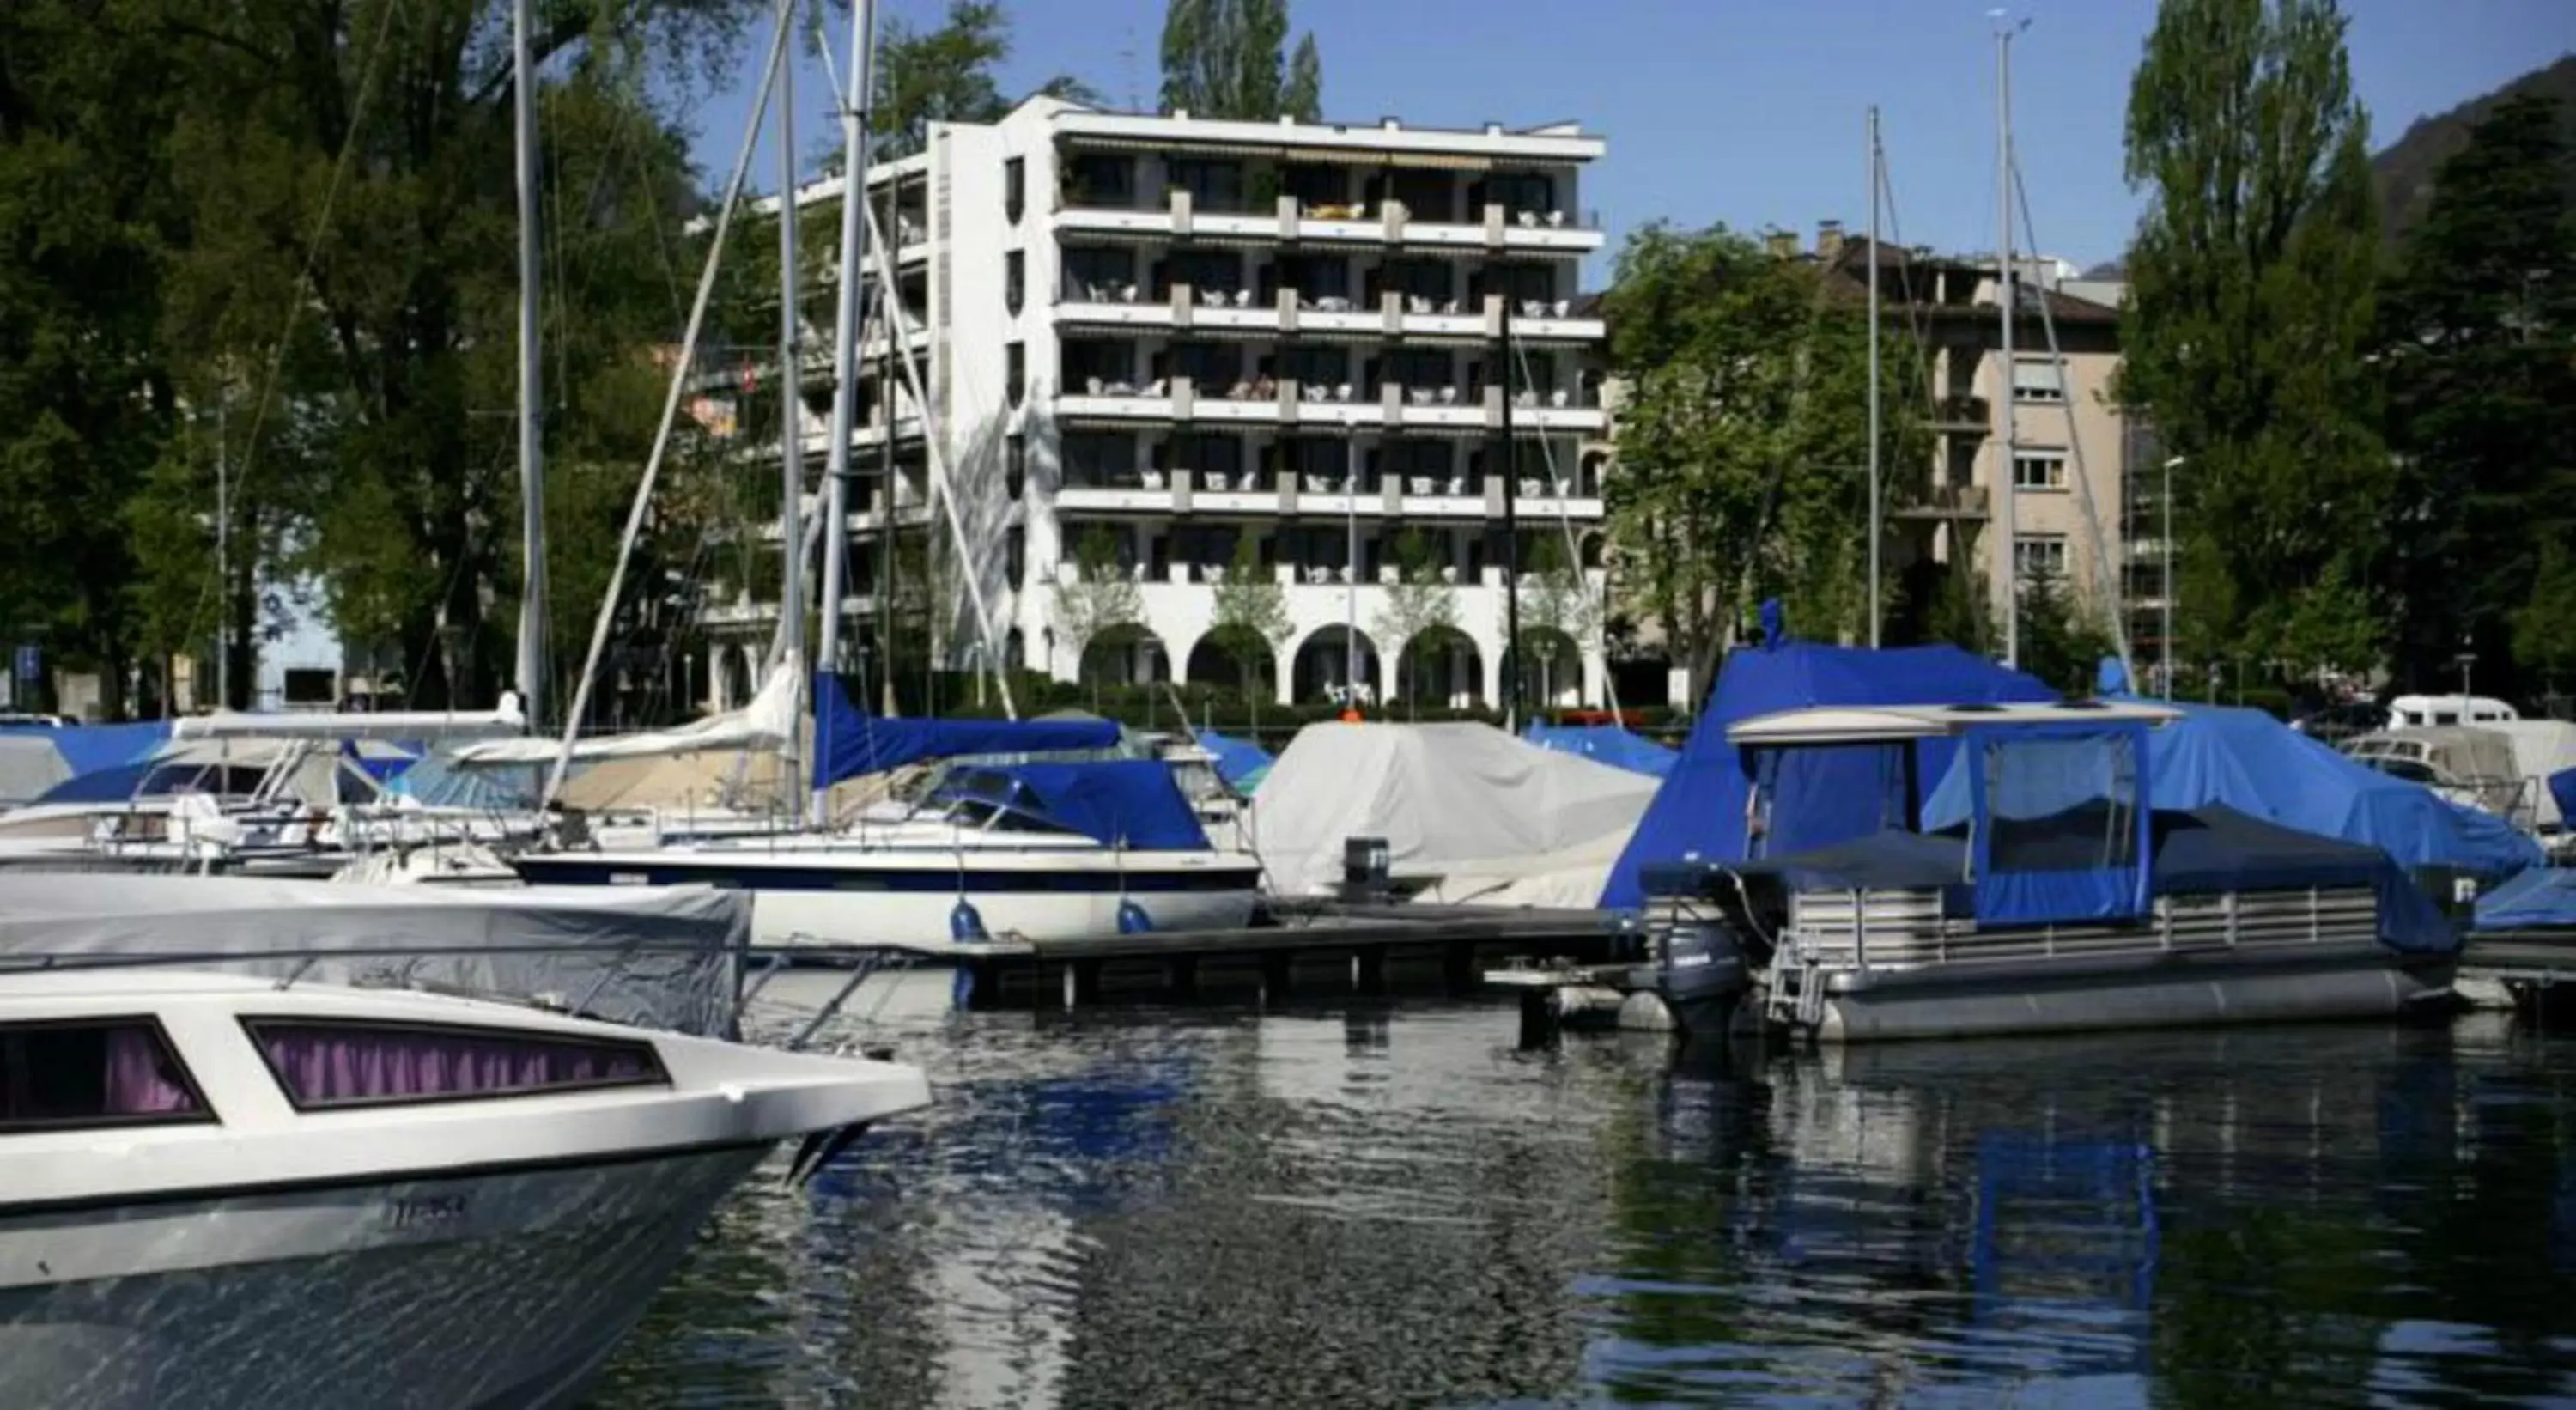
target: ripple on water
1374 1206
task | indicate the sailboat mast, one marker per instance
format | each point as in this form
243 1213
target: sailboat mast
2007 518
791 436
845 340
530 676
1877 533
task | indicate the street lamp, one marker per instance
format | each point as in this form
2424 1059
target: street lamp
2171 462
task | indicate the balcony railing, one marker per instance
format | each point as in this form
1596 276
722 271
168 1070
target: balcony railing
1969 412
1947 502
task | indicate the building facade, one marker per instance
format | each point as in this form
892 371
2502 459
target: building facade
1167 346
2068 464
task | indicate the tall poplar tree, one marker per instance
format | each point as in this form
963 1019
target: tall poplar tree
2250 312
1229 59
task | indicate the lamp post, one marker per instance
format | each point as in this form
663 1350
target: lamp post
2166 525
2464 661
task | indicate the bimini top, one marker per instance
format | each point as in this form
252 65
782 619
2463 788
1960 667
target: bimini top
1874 724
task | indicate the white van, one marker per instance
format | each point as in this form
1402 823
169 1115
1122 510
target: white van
2420 711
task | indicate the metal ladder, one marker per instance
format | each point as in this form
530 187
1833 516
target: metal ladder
1795 999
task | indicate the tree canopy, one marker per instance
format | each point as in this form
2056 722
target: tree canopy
947 75
1230 59
2475 329
2250 308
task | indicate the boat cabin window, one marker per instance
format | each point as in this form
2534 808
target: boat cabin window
93 1072
350 1063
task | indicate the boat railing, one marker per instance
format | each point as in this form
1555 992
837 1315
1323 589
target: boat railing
1862 931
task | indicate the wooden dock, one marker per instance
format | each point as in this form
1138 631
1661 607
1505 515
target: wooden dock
2537 968
1302 946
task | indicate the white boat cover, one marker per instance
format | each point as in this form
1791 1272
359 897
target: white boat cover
658 956
2540 748
768 722
1487 817
29 765
414 725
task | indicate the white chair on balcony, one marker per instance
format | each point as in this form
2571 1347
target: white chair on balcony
1457 485
1243 298
1342 391
1387 575
1532 487
1094 386
1559 398
1450 307
1448 396
1152 479
1419 396
1449 573
1137 572
1319 576
1215 572
1529 218
1422 484
1563 307
1556 220
1127 293
1526 396
1160 386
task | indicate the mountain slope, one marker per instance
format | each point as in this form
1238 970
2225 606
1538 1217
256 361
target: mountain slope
2405 171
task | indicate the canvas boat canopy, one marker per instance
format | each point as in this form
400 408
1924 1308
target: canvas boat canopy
1887 723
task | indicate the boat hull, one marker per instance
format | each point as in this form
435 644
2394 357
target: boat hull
908 898
2179 992
501 1289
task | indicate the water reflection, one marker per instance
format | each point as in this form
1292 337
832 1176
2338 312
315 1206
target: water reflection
1371 1205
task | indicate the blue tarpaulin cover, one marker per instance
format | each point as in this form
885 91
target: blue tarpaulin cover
2037 862
89 748
2256 765
1608 744
850 744
1121 802
2543 897
2562 790
1240 762
1820 796
2199 851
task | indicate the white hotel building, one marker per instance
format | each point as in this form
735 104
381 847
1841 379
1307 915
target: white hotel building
1179 332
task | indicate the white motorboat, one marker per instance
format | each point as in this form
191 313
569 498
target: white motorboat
220 1191
1041 851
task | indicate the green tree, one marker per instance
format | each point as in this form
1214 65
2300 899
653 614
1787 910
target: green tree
1419 608
2063 640
1229 59
2544 631
1251 620
947 75
2250 308
87 409
2482 396
1557 607
1742 439
1097 597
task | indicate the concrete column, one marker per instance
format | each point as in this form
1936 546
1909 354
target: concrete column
1596 677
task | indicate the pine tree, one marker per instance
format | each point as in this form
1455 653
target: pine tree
1228 59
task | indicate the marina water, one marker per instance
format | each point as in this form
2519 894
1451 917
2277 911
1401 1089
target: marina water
1390 1204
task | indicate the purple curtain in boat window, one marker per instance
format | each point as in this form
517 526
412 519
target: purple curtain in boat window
333 1064
142 1079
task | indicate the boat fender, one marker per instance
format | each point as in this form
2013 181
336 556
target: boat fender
1132 919
965 922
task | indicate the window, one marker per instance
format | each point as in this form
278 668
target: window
2039 470
1099 460
93 1072
1015 465
2040 555
1015 556
1314 364
1015 280
2037 379
345 1063
1015 187
1100 181
1213 184
1096 275
1015 374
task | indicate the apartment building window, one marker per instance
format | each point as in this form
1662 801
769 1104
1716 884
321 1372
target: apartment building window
1099 460
1015 557
1015 187
1214 185
1201 452
1426 279
1015 466
1099 276
1097 180
1518 282
2038 379
1428 368
1221 270
1422 458
1210 366
1015 280
2039 470
1015 375
2040 555
1310 277
1313 365
1095 366
1313 186
1517 191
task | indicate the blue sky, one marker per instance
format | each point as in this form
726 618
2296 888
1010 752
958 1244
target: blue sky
1751 111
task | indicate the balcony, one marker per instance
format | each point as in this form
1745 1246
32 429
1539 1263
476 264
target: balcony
1268 402
1386 222
1969 414
1946 502
1292 312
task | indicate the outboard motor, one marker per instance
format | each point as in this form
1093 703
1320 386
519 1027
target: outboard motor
1699 972
1368 864
1132 919
965 922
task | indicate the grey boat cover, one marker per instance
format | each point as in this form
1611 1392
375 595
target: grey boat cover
659 956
